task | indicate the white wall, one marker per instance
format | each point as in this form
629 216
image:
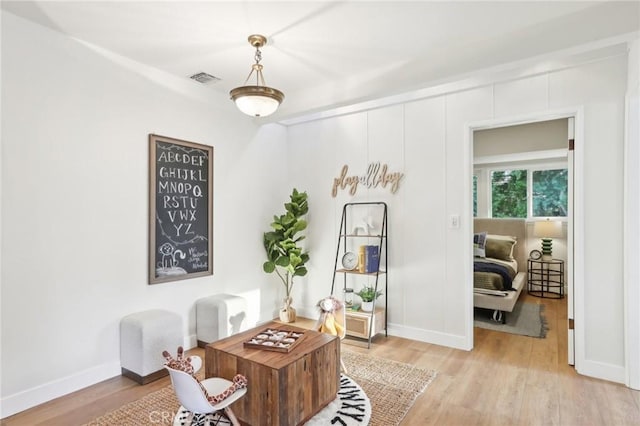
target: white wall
75 123
426 139
523 138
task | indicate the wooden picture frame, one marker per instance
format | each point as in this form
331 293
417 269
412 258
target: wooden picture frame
180 209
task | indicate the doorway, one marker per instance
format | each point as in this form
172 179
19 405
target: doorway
522 148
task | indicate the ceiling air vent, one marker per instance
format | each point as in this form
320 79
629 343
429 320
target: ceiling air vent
204 78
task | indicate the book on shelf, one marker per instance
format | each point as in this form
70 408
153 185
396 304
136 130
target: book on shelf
368 259
361 258
371 259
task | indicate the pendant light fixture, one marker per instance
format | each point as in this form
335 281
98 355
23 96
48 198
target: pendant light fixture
257 100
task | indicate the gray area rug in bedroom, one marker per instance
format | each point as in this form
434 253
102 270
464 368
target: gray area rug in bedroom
527 319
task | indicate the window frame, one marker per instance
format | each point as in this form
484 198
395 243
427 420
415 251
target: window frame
484 195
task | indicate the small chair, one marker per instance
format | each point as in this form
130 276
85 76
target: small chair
193 398
332 320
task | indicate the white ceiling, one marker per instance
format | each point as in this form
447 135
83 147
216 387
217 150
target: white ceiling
329 53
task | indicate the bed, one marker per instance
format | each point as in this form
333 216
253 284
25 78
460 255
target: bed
498 287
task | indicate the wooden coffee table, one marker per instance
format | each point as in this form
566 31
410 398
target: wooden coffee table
285 388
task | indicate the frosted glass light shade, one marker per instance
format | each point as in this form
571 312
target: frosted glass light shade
257 101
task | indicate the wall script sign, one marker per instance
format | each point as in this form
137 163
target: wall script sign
377 175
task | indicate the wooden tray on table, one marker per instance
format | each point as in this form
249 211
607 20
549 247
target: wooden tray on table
275 339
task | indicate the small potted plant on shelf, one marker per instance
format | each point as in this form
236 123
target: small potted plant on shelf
368 294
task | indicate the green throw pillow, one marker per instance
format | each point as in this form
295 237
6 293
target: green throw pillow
499 249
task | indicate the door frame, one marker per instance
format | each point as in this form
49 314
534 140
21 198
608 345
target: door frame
631 241
575 221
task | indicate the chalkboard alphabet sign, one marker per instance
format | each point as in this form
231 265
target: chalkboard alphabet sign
180 209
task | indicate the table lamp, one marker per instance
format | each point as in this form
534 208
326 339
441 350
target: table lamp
546 230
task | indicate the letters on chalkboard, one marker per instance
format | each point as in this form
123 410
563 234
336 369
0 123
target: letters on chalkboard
180 209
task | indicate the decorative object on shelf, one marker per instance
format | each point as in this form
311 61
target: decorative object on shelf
284 256
535 254
257 100
348 298
365 227
368 294
547 230
350 261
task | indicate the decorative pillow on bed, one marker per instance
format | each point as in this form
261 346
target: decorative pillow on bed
479 241
500 247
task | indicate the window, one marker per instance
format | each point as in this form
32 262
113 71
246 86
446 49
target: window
549 193
509 193
523 192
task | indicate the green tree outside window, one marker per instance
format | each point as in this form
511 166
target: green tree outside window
550 193
509 193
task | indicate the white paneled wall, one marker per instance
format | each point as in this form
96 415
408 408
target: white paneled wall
420 274
523 96
429 280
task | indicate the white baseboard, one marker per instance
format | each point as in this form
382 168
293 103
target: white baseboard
28 398
429 336
190 341
604 371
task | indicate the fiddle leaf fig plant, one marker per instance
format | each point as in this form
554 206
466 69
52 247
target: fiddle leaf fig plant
284 256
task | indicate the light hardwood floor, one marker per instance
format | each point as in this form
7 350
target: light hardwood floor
505 380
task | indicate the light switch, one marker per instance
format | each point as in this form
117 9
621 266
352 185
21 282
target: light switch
454 221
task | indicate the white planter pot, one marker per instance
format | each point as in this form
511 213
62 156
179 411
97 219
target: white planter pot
367 306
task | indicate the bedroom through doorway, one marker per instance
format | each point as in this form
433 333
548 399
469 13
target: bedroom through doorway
522 181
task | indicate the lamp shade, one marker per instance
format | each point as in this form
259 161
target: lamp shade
547 229
258 101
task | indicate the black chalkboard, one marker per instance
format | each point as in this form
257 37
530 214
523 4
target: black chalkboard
180 209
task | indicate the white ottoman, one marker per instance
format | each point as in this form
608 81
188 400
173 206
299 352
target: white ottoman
143 337
219 316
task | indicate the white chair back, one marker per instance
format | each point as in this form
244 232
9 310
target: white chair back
188 392
196 363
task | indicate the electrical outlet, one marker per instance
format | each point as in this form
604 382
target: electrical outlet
454 221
